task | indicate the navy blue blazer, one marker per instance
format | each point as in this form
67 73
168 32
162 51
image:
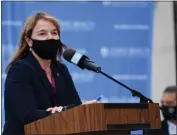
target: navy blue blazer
28 93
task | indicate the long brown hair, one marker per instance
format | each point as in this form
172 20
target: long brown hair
23 48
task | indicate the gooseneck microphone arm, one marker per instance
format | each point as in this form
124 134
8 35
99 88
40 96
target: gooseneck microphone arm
135 93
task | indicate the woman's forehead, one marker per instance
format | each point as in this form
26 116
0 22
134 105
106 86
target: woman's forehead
44 25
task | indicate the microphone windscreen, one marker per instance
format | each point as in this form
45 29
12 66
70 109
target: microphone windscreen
68 54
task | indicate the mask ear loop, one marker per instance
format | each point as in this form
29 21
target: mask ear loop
30 49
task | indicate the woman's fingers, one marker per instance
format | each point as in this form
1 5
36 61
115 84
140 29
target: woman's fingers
49 109
55 109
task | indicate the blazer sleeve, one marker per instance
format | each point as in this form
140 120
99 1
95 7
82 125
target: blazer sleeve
75 99
19 98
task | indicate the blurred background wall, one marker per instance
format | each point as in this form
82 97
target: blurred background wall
134 42
164 61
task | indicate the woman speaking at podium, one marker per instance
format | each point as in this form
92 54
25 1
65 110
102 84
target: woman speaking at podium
37 85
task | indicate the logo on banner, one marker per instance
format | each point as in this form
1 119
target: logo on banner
130 77
11 23
82 77
131 27
120 4
124 52
75 26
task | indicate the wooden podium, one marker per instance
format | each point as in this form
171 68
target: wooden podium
99 119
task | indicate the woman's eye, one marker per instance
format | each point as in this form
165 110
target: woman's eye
55 33
42 34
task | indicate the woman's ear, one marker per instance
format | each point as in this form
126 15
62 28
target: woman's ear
28 41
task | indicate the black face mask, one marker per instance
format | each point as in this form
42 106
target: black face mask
171 110
46 49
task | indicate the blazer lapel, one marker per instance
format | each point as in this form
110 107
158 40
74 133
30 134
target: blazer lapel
59 69
41 74
61 88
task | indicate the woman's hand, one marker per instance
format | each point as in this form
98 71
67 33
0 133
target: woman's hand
55 109
59 109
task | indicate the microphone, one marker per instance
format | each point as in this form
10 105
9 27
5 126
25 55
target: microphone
80 60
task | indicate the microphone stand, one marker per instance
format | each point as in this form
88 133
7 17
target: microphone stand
135 93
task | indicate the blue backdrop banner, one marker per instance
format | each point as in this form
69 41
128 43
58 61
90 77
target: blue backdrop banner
115 35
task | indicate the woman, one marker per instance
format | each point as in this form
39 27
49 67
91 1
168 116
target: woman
37 85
